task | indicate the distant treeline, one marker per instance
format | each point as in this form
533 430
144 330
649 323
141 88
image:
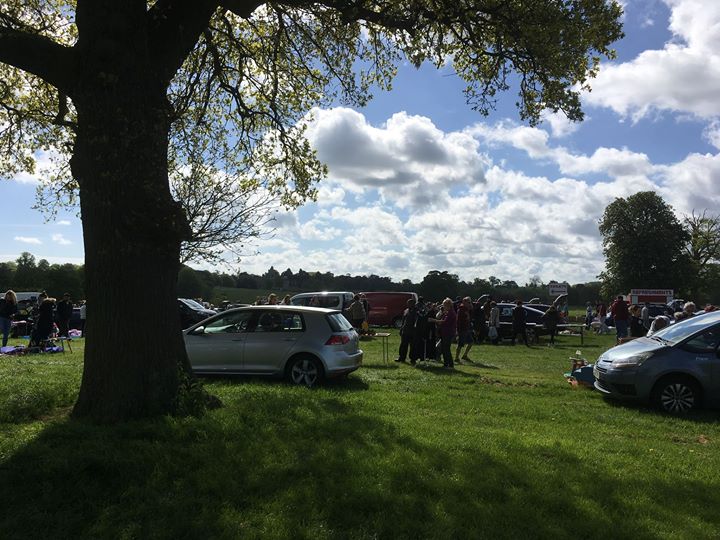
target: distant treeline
27 274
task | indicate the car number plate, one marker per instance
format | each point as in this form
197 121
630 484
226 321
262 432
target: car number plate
596 372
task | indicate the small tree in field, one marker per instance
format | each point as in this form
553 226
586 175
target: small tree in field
125 95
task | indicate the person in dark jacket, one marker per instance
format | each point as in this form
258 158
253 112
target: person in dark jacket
550 319
8 308
637 327
44 323
519 318
417 347
407 331
63 313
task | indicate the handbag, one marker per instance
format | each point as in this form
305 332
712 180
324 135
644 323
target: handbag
492 332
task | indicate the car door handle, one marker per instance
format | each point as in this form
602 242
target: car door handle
239 339
289 339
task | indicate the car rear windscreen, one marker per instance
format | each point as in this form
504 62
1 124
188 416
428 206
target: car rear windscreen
339 323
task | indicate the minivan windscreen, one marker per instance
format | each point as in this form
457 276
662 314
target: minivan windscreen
679 331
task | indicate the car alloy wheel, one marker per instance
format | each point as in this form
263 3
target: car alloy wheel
305 370
677 397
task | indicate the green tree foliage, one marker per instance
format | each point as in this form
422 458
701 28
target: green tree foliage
26 274
189 283
644 245
703 254
437 285
135 94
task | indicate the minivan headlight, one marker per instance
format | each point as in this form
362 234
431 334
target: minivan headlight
633 361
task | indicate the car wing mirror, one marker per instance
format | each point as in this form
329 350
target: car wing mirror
199 331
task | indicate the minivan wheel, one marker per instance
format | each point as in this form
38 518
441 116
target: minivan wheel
676 395
305 370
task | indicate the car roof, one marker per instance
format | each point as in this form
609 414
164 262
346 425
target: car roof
281 307
322 293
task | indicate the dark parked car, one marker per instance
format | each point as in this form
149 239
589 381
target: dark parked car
677 369
533 321
192 312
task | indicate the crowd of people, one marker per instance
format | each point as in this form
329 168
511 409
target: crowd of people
429 329
46 318
634 320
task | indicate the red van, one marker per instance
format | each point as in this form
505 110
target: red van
386 308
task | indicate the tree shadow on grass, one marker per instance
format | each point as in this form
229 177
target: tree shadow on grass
298 464
706 416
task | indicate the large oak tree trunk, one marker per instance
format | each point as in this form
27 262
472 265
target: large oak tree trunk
132 227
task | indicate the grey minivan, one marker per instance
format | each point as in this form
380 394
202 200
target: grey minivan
677 369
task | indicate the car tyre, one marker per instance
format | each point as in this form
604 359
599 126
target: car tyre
305 370
676 395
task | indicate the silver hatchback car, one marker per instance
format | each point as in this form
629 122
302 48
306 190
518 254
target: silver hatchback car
677 369
304 344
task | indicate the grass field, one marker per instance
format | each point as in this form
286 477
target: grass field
503 448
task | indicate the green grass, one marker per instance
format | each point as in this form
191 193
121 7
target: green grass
504 448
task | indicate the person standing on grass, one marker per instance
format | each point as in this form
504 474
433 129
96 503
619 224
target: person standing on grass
494 323
645 316
447 324
601 311
588 315
44 323
621 316
464 329
519 319
407 331
83 317
356 312
417 347
637 329
8 308
63 313
550 319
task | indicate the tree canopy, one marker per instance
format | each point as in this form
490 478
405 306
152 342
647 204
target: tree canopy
644 245
127 97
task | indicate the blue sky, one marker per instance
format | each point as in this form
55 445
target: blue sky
418 181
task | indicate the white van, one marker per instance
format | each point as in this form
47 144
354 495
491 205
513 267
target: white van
331 300
27 296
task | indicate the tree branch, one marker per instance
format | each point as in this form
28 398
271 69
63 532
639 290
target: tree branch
38 55
175 26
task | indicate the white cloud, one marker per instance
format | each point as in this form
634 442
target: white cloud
407 161
560 126
28 240
64 223
684 76
60 239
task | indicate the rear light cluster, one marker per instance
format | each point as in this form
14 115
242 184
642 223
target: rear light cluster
338 339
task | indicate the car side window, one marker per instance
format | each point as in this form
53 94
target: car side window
230 323
506 312
276 321
706 342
